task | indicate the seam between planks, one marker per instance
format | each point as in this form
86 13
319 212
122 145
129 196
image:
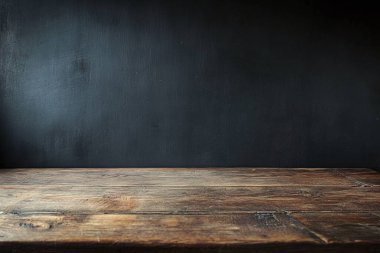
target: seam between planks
26 213
356 181
313 233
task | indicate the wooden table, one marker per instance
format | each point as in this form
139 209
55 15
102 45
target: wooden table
189 210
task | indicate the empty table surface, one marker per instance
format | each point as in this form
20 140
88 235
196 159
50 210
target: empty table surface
189 210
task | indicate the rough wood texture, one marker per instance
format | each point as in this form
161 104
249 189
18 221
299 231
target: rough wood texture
189 210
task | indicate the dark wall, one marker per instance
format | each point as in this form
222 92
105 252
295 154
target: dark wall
189 83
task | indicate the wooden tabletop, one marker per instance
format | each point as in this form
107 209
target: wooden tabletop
189 210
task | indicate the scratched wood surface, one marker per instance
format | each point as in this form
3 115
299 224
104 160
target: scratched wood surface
189 210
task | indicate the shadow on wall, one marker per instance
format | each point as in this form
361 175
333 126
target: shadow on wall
189 83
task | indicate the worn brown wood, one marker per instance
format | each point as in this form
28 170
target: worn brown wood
190 177
155 229
175 199
189 210
335 227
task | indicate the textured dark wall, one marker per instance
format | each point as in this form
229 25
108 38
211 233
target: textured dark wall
189 83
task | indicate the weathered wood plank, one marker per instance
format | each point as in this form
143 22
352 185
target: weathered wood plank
265 232
189 210
345 227
77 199
183 177
179 230
361 177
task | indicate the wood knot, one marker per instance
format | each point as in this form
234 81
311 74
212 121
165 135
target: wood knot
36 225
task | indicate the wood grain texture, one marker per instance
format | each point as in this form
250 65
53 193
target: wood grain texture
155 229
189 210
175 199
190 177
333 227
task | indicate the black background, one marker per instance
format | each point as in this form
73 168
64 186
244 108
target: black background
189 83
